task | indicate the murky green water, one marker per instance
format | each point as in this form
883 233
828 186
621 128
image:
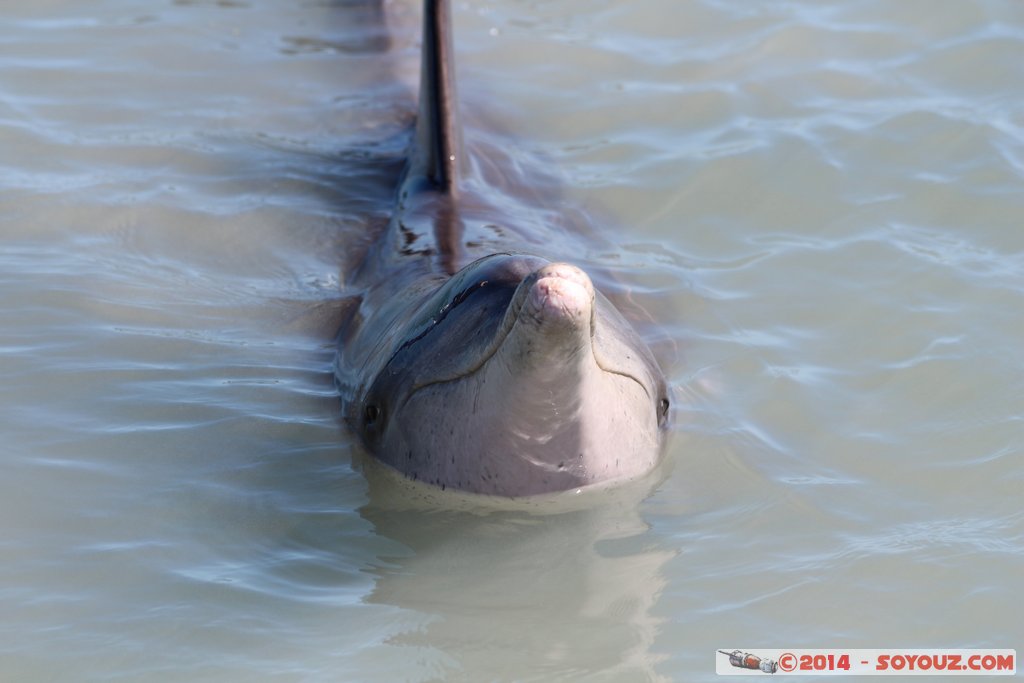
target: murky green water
820 204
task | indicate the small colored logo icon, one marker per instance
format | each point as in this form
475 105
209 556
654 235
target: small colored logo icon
745 660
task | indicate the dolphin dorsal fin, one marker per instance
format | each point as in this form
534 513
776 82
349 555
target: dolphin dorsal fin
438 152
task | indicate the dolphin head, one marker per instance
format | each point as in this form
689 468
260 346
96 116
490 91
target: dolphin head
516 378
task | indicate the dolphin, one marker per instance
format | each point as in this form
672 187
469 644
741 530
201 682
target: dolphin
472 362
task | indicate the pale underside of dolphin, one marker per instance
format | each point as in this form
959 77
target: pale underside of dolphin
473 362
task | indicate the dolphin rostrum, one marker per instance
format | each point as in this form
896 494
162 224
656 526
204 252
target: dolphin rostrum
472 362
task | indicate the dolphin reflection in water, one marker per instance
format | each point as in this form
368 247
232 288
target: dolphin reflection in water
475 363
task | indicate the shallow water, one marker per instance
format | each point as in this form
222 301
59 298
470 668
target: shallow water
820 204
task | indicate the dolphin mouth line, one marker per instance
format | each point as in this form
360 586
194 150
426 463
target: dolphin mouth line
499 338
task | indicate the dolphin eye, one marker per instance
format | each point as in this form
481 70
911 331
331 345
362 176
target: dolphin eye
371 415
662 411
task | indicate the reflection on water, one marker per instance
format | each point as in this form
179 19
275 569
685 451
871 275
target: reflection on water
574 588
818 205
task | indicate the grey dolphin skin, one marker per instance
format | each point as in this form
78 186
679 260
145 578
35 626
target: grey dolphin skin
473 362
